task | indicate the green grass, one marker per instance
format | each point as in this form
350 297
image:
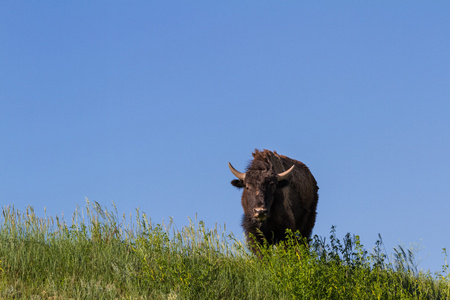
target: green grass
103 256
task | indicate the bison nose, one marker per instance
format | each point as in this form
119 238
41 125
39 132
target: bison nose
260 212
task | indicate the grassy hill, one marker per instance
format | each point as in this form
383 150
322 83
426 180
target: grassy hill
102 256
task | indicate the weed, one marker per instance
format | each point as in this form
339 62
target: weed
102 256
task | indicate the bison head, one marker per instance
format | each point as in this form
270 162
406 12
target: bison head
260 183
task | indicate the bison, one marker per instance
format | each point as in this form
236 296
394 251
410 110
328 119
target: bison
279 193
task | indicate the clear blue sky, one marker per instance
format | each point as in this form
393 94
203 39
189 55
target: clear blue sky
144 104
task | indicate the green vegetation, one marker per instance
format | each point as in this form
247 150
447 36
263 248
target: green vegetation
103 256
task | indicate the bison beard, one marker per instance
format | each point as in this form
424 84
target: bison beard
279 193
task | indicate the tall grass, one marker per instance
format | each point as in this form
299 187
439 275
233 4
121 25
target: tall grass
102 255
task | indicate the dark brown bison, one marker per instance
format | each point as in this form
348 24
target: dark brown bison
279 193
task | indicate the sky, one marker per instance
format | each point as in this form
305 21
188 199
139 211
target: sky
143 104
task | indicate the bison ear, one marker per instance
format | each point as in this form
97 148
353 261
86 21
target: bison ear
237 183
282 183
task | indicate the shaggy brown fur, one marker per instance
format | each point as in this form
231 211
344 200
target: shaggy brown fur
290 203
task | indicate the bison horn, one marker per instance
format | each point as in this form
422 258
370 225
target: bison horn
283 175
236 173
